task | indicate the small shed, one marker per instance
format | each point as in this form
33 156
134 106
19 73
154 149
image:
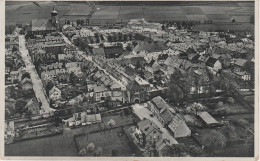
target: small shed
207 118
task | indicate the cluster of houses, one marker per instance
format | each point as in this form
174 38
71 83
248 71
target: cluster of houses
14 64
83 118
148 134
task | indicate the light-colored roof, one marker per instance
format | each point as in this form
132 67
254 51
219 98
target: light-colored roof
207 118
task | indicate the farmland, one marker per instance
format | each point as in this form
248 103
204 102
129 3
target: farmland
220 13
117 141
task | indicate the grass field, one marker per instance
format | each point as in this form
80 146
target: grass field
50 146
22 13
79 9
108 141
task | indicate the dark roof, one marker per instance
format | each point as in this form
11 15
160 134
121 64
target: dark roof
134 86
195 58
129 70
190 51
211 61
151 62
162 57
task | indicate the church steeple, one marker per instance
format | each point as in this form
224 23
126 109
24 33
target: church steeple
54 16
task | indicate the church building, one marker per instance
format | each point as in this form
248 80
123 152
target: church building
44 26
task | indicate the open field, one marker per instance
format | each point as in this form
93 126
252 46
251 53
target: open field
79 9
109 140
225 26
50 146
22 13
219 17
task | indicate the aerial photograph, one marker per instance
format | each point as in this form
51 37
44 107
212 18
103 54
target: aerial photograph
129 79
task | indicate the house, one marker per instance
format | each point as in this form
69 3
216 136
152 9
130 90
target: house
213 64
117 96
161 110
148 134
183 55
239 64
27 84
244 75
135 92
178 127
207 118
148 76
101 92
14 76
162 58
9 132
143 83
33 106
55 94
85 33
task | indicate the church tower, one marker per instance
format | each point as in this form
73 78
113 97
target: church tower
54 17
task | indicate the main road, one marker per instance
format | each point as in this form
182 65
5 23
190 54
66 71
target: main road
37 83
89 58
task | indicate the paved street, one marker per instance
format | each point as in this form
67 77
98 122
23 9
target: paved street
142 112
89 58
37 84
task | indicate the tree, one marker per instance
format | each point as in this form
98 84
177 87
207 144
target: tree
174 93
109 38
78 22
91 147
82 22
28 114
9 29
99 151
129 48
72 78
163 27
134 43
214 141
230 100
220 104
19 106
177 150
114 152
229 130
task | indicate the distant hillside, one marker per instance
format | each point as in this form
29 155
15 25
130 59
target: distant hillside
167 3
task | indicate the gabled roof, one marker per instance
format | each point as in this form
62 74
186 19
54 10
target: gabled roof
240 62
211 61
134 86
160 103
207 118
26 80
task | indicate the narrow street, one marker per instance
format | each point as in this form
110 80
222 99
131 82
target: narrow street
37 84
89 58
